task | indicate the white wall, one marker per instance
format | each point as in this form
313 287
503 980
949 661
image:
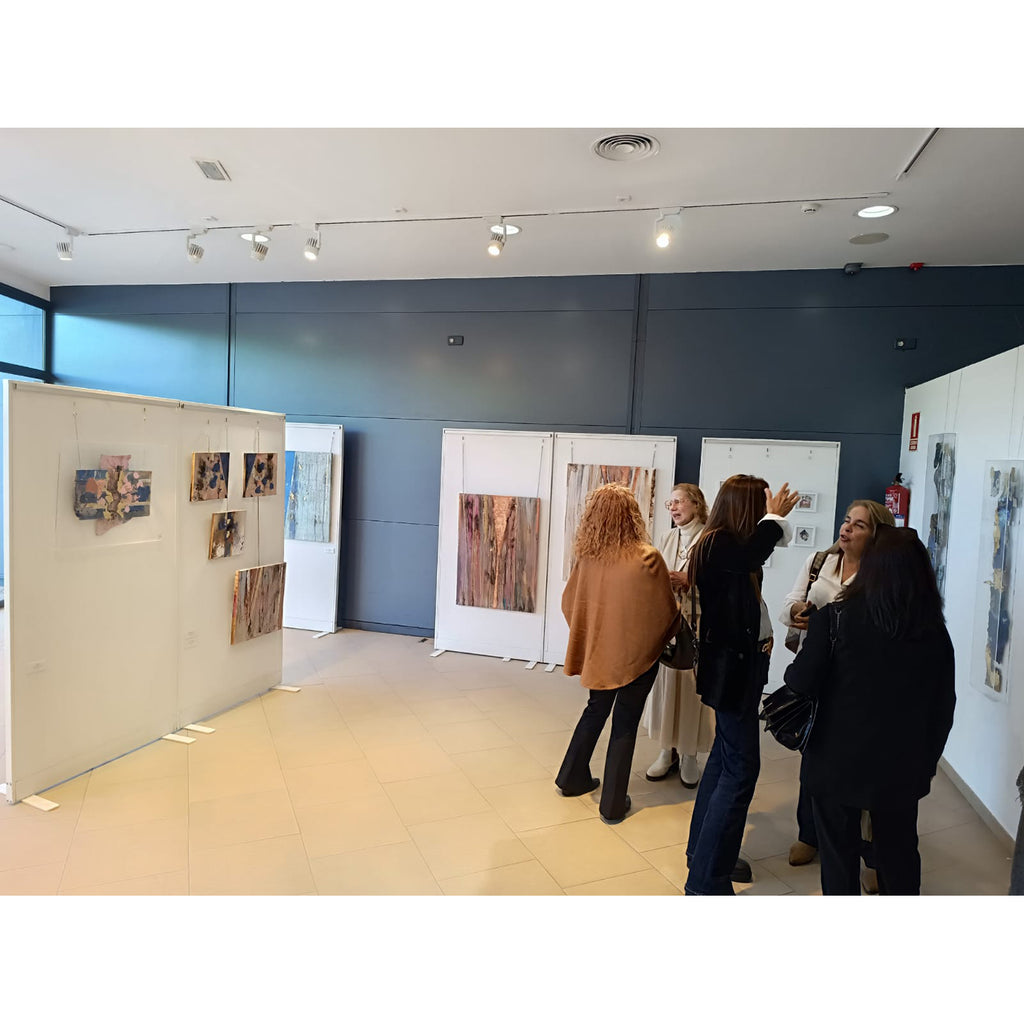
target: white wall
983 405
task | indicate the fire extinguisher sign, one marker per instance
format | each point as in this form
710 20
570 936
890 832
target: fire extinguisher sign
915 429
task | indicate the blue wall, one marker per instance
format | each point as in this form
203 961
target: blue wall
794 354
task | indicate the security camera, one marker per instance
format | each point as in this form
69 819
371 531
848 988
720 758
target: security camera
852 268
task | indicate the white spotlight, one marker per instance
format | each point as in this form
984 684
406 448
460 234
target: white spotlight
666 228
496 244
312 248
193 250
258 250
66 247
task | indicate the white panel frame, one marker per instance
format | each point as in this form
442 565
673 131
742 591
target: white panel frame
311 582
813 465
598 449
512 462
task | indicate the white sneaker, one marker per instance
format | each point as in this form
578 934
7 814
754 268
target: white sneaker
689 771
667 763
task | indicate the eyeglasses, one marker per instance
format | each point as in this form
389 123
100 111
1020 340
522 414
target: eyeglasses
671 504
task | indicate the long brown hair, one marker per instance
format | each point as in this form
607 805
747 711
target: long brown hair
739 506
611 526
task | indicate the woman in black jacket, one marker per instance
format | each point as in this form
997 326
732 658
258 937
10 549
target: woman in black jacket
745 524
880 662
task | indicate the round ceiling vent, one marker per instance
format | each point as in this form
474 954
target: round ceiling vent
869 239
626 147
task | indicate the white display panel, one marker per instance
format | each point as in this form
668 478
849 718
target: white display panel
500 462
112 644
983 405
808 466
311 583
659 453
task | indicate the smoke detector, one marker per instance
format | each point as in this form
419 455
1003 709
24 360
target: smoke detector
626 147
810 207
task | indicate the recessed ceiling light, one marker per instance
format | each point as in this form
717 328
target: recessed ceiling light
257 236
870 239
877 211
506 229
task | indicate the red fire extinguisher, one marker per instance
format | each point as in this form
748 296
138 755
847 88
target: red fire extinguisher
897 500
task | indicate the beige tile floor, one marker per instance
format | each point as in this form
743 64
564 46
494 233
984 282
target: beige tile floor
392 772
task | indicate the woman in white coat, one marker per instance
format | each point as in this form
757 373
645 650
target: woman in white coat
674 715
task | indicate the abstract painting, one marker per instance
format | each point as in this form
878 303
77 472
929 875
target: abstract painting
307 488
1000 514
209 476
581 479
803 536
260 474
499 544
227 534
938 497
259 602
112 494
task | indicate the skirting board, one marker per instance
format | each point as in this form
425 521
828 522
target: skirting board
980 809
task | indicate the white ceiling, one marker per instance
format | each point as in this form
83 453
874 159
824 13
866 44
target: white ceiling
961 204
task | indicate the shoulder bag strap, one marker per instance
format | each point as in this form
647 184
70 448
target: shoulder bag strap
815 572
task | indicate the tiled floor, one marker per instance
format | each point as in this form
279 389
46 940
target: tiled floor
392 772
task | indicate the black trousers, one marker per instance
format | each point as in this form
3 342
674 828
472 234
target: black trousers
807 833
626 705
894 835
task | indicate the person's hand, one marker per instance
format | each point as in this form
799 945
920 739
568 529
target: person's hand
799 613
781 503
679 581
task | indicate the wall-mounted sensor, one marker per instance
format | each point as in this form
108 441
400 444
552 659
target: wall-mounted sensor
852 268
454 339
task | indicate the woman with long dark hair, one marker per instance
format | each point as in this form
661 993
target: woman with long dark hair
746 522
621 613
880 661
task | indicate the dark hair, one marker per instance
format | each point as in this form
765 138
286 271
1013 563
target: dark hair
897 584
739 506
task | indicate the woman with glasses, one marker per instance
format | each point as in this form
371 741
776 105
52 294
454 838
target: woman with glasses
674 715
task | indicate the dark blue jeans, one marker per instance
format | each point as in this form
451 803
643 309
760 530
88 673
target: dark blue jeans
720 810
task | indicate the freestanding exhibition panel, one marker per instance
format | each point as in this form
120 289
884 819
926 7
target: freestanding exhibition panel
117 636
810 467
311 584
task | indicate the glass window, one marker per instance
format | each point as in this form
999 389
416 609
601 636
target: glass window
21 333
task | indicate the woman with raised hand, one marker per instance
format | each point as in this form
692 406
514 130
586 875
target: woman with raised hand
746 523
621 612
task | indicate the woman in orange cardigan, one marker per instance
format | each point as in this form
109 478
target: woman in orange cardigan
621 613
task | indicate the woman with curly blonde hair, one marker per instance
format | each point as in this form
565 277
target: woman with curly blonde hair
621 613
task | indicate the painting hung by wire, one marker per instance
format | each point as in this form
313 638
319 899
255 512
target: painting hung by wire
112 494
259 602
582 478
938 498
209 476
499 544
260 474
227 534
307 488
993 632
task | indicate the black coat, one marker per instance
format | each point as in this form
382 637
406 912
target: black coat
729 675
885 708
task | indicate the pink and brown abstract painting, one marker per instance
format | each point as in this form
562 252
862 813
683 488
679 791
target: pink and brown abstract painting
499 543
259 602
582 478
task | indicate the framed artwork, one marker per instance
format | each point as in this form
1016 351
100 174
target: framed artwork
499 551
808 502
803 536
260 474
581 479
307 488
112 494
227 534
259 602
938 498
209 476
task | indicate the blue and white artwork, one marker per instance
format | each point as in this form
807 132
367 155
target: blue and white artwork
938 497
307 481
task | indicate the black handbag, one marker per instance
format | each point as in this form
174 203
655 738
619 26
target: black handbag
681 651
788 715
793 635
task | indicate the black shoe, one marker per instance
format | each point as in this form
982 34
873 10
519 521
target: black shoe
615 821
594 783
742 872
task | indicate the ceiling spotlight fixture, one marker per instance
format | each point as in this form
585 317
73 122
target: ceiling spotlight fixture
877 211
66 246
666 227
499 234
312 249
193 250
505 229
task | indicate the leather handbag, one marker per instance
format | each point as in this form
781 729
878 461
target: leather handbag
793 635
681 651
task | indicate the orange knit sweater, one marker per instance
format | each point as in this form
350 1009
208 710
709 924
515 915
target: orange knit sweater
620 614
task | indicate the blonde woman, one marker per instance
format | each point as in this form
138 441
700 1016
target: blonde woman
621 612
674 715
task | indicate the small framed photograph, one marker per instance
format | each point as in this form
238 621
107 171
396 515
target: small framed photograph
803 536
808 502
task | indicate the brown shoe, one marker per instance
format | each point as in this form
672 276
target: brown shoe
869 880
802 853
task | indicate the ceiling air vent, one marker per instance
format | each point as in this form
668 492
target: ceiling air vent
626 147
213 169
